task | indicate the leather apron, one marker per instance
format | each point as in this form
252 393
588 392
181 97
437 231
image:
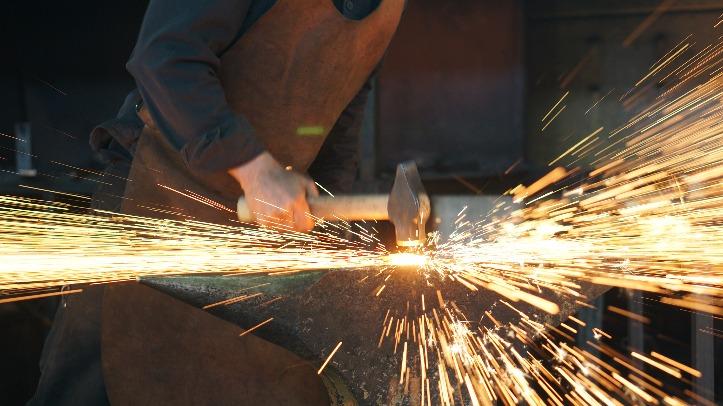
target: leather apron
291 75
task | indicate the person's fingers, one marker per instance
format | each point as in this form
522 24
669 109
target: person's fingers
311 189
251 207
284 204
264 220
286 215
274 216
302 220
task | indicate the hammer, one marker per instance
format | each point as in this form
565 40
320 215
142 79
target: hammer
406 206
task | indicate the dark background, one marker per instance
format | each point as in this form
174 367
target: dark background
462 91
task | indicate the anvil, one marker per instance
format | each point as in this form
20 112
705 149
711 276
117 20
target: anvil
313 311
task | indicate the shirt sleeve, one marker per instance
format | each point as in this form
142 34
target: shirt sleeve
175 64
123 130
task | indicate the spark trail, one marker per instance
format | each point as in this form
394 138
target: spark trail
648 217
46 245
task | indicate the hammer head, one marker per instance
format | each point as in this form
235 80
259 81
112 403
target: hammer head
408 206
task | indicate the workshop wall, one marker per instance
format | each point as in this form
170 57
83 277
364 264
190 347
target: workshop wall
63 72
598 50
451 89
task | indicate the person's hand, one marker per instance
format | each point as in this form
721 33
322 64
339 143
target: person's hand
276 195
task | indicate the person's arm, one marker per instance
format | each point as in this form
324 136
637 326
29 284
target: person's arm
123 131
175 64
336 164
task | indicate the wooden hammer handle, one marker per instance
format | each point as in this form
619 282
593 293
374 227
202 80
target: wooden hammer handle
346 207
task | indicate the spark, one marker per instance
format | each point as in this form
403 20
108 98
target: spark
553 118
598 101
233 300
691 371
630 315
256 327
555 106
10 136
328 358
40 296
324 189
594 133
647 22
46 83
77 196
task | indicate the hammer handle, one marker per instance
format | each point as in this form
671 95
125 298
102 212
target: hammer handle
346 207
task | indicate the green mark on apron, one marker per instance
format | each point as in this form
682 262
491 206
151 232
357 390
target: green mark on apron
310 131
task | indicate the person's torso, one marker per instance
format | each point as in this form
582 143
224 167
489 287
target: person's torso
297 64
290 74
